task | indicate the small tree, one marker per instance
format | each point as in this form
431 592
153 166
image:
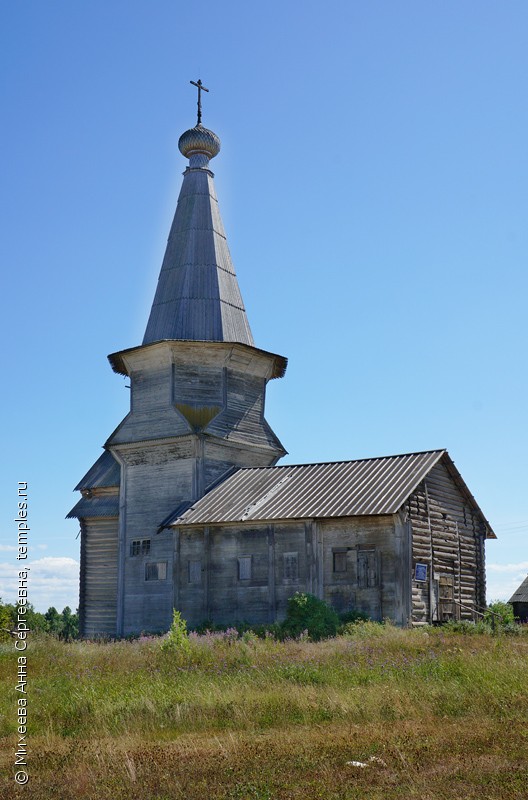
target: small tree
35 620
9 615
6 624
307 613
177 638
54 621
70 624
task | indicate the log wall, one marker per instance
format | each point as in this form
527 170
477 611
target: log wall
448 537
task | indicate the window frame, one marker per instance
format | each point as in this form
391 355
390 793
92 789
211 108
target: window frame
139 547
339 554
161 571
248 561
194 572
293 558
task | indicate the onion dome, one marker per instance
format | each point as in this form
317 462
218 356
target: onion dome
199 144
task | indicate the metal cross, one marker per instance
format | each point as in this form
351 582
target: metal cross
201 88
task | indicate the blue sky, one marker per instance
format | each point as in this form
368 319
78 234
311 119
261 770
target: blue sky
373 183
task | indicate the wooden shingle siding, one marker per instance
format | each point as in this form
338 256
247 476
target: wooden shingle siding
197 296
98 596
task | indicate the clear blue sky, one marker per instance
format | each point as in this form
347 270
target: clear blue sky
373 182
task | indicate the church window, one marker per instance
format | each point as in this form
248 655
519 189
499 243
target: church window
291 567
367 569
340 560
244 568
140 547
195 571
156 571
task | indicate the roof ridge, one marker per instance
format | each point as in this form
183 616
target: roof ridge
345 460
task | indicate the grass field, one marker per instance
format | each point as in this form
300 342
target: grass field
434 714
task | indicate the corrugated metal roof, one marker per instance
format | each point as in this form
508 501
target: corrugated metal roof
521 595
105 472
311 491
106 506
197 296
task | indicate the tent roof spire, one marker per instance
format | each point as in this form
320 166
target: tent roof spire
197 296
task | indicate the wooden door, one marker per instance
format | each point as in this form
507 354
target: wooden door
446 598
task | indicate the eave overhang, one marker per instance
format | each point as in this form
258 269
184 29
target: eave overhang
118 360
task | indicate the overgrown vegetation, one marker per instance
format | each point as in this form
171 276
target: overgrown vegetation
307 613
234 715
177 638
64 625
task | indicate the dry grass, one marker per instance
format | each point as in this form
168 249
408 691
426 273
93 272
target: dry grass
256 720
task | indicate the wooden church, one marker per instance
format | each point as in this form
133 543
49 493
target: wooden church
186 507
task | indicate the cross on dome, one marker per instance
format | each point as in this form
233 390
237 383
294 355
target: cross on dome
201 88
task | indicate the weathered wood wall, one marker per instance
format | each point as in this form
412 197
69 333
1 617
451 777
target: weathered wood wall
376 580
292 556
156 480
98 578
449 538
190 423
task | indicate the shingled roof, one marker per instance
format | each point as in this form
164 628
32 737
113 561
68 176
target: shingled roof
105 472
198 297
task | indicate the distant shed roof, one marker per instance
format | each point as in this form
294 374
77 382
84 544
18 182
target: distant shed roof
521 595
365 487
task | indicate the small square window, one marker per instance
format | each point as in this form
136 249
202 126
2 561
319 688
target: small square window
244 568
195 571
340 561
140 547
156 571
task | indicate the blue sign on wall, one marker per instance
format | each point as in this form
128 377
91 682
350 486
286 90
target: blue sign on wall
420 572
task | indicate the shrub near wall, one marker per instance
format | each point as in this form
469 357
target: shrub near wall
307 613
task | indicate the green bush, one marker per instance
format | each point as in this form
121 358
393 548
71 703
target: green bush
177 637
465 626
500 613
353 616
498 619
307 613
